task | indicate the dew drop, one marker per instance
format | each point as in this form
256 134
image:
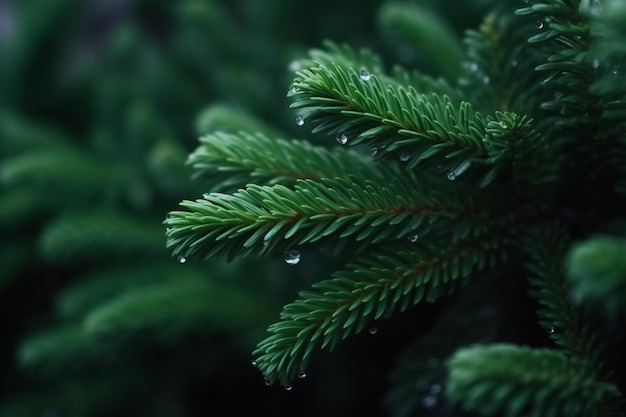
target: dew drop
365 76
429 401
268 237
615 72
206 196
551 330
404 156
292 257
299 120
461 168
486 79
539 24
182 259
435 389
293 90
503 124
432 363
595 63
373 150
301 374
473 67
288 387
373 330
342 139
266 381
413 237
254 363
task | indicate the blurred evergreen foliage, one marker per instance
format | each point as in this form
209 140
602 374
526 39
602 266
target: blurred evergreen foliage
100 103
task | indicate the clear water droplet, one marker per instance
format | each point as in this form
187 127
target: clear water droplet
429 401
461 168
551 330
435 389
365 76
268 237
539 24
432 363
299 120
301 374
342 139
373 330
206 196
254 363
373 150
266 381
288 387
404 156
486 79
503 124
293 90
182 259
473 67
292 257
595 63
615 72
413 237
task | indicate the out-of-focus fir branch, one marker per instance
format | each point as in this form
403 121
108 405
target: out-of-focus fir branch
511 380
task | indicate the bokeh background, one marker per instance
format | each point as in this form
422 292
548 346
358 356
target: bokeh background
101 101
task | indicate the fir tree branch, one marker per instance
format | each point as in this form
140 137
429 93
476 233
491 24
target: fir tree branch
94 236
510 380
165 312
374 287
67 349
395 120
374 111
565 323
269 219
497 76
67 172
229 161
584 116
